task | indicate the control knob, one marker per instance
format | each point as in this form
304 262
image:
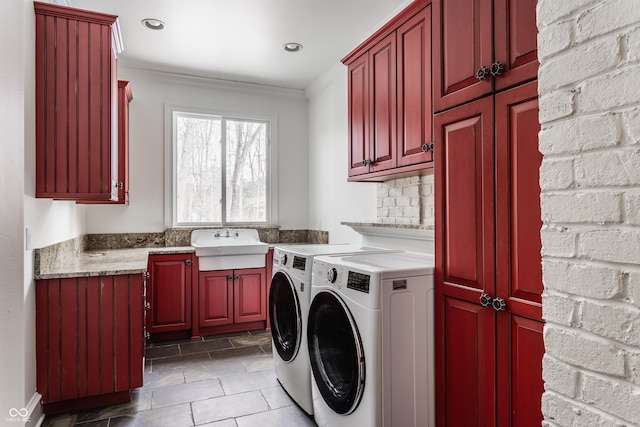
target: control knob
283 259
332 275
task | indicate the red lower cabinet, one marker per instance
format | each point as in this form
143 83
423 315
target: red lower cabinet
169 293
89 340
233 299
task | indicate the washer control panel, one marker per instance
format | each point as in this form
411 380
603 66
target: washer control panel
358 281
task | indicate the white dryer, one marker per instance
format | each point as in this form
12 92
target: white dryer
370 338
289 298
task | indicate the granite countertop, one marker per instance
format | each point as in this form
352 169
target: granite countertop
104 262
128 253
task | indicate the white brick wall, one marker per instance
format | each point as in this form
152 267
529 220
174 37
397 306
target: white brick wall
589 86
407 200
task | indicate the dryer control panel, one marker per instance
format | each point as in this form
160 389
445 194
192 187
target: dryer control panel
358 281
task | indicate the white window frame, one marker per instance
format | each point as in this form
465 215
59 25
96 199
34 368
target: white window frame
170 167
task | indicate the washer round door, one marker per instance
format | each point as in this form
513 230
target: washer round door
285 316
335 352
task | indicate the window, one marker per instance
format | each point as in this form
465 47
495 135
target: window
221 169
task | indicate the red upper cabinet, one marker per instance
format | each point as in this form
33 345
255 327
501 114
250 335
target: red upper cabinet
358 115
124 98
382 99
481 46
516 41
390 98
76 103
382 104
372 109
415 100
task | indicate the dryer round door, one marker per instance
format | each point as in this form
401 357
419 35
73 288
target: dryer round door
335 352
285 316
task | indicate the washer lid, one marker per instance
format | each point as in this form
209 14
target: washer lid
328 249
386 265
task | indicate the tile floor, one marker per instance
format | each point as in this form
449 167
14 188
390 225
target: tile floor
218 381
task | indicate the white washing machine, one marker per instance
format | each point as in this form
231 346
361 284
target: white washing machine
289 298
370 338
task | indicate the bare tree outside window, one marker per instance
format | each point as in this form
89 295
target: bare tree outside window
200 196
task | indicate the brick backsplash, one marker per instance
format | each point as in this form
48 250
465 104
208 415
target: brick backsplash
406 201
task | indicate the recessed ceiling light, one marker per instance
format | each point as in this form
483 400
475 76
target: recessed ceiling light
292 47
153 24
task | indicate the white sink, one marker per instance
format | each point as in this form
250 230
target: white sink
223 249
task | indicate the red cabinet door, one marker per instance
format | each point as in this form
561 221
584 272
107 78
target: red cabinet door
465 264
216 298
489 366
122 182
358 103
518 260
415 110
169 293
89 340
462 35
76 103
515 41
249 295
382 98
124 99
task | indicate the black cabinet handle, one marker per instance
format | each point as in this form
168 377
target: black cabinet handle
482 73
497 68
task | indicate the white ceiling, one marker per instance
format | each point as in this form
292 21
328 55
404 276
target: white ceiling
242 40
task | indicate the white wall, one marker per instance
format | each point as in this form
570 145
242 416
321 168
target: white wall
331 198
48 222
590 178
12 308
151 92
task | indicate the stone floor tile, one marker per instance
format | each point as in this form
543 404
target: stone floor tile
163 378
198 347
227 335
214 369
157 352
276 397
253 350
260 339
267 348
140 401
174 416
172 342
61 420
183 393
230 422
178 361
248 382
283 417
221 408
259 363
97 423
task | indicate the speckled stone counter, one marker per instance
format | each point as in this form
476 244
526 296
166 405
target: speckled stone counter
103 262
127 253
